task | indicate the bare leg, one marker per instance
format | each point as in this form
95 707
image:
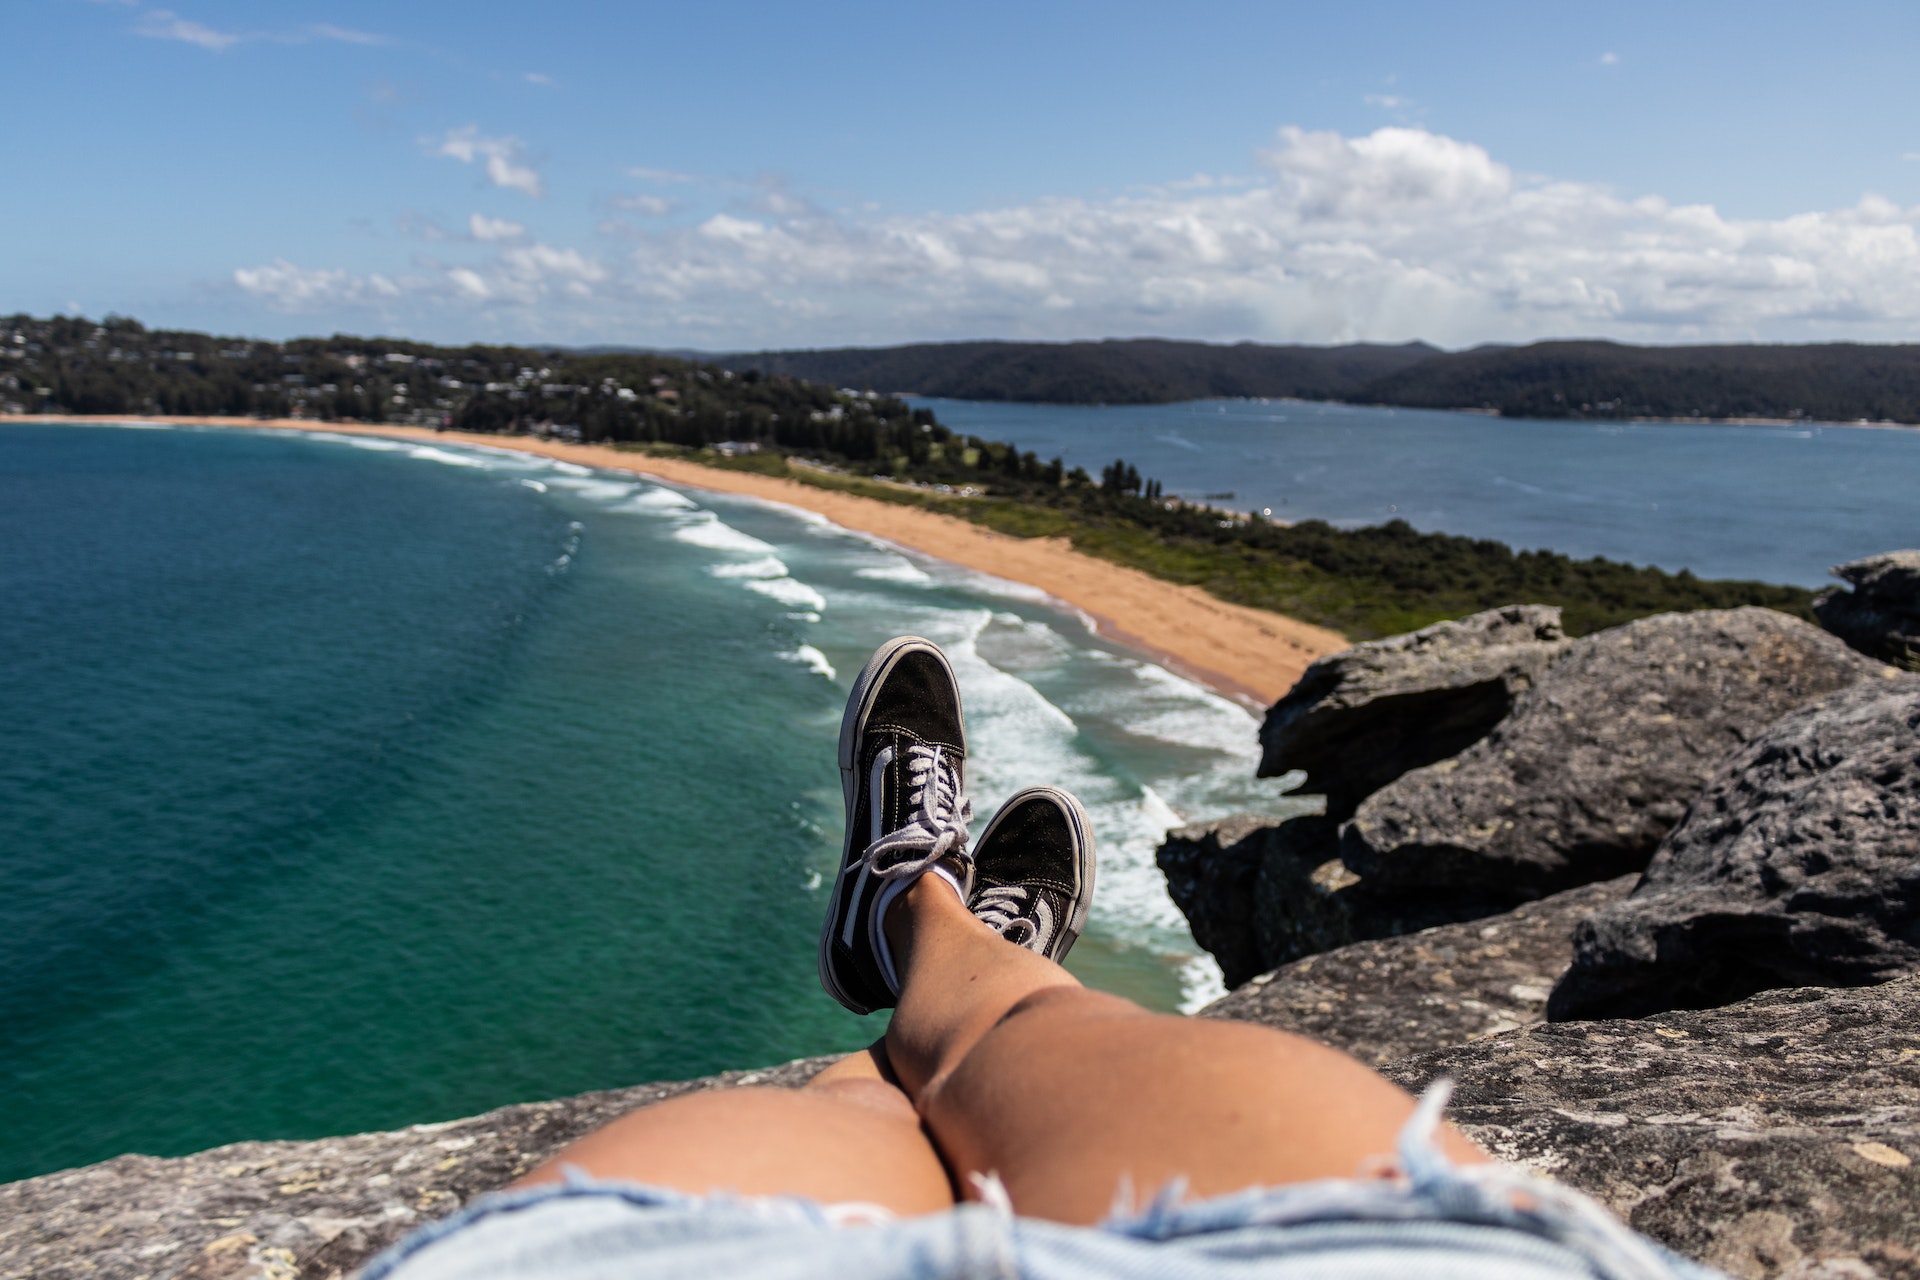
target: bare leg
1062 1092
850 1136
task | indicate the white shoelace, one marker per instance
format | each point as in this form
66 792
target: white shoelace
938 831
933 839
1002 910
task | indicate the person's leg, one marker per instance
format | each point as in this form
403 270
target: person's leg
1064 1092
850 1135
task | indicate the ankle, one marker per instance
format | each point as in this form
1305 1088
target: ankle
930 899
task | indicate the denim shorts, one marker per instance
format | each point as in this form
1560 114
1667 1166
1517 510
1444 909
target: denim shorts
1431 1219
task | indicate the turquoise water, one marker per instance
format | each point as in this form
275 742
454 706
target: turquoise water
346 784
1778 504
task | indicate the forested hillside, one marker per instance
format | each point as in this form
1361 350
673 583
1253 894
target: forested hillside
1139 371
1840 381
1831 382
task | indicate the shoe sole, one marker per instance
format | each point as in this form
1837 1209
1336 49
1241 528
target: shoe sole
859 707
1085 866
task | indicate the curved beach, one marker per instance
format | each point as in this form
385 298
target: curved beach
1249 654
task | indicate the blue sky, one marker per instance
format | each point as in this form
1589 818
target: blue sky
729 175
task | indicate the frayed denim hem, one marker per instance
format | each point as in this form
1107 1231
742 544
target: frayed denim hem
1424 1214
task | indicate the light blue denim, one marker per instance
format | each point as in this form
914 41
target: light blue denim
1434 1221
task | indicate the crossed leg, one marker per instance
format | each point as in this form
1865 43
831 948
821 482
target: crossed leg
998 1061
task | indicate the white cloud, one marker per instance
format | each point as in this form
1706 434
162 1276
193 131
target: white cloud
1396 234
484 228
661 175
524 275
536 77
292 288
1609 59
502 157
164 24
1387 100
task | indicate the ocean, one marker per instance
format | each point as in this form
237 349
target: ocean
347 784
1773 503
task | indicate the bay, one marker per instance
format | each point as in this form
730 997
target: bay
347 784
1772 503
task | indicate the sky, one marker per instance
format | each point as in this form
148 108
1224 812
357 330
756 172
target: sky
728 176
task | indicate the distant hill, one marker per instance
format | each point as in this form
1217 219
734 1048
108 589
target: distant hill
1831 381
1137 371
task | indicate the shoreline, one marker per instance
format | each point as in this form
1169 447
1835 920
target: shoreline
1249 655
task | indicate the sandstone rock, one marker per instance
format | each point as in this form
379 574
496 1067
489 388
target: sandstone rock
296 1210
1394 997
1599 759
1775 1137
1881 615
1259 892
1798 865
1360 718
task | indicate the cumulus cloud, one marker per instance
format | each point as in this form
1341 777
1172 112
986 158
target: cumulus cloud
520 275
287 287
502 157
481 227
1396 234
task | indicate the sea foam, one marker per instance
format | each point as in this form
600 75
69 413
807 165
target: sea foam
708 530
814 660
790 592
764 567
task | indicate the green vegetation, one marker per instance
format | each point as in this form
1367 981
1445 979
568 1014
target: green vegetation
1364 582
1138 371
1835 382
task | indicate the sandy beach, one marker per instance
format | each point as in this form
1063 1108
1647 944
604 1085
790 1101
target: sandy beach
1249 654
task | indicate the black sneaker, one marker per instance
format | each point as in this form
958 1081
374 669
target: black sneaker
902 751
1033 871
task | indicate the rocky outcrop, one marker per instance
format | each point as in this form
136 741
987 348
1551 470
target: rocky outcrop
1881 615
1360 718
1798 865
1259 892
1394 997
1776 1137
297 1210
1599 760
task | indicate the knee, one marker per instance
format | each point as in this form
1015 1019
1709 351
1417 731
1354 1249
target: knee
1057 1002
